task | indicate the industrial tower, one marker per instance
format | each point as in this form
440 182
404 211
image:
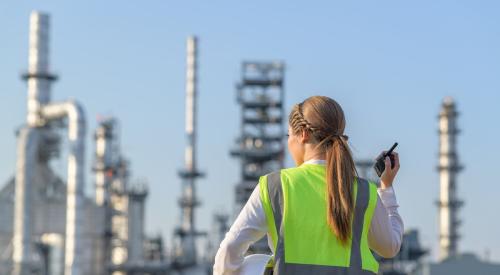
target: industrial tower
448 167
185 243
37 143
123 203
260 145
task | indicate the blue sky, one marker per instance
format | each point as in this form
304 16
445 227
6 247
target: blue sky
388 63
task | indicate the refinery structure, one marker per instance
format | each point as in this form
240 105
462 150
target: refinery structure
448 168
260 146
48 226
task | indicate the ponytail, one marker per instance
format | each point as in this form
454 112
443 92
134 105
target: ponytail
340 173
323 118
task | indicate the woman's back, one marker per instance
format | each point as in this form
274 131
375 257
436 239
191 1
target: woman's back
296 210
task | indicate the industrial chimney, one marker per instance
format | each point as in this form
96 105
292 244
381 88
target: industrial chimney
185 247
448 169
41 113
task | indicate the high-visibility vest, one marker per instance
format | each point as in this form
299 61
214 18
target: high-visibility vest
294 202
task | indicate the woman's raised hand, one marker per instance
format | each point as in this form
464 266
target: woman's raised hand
389 173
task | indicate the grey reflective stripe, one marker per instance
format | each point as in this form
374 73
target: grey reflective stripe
275 192
362 198
309 269
280 267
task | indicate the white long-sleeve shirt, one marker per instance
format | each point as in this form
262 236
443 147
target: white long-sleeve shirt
384 237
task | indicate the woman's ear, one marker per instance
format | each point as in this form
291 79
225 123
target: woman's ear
304 137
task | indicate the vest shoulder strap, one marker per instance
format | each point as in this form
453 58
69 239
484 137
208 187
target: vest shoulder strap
271 195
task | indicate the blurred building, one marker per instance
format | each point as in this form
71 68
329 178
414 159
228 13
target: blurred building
451 260
47 224
462 264
260 146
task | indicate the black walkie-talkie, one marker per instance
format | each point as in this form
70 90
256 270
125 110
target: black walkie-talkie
380 161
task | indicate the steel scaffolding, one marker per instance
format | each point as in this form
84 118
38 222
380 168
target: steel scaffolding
260 146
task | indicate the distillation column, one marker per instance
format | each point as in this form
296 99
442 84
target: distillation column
41 113
39 81
185 251
448 169
104 168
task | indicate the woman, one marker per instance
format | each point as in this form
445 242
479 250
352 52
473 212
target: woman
320 217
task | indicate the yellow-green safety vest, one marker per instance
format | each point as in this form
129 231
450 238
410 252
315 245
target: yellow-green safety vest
294 202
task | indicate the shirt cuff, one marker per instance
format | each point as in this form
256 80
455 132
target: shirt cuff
388 197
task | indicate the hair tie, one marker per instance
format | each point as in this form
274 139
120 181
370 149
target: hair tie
331 137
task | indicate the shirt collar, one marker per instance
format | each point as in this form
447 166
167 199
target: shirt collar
316 161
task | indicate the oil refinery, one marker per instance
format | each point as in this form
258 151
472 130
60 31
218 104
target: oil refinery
50 226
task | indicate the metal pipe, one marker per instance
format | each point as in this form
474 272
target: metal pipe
75 189
191 82
27 149
38 76
448 169
55 243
